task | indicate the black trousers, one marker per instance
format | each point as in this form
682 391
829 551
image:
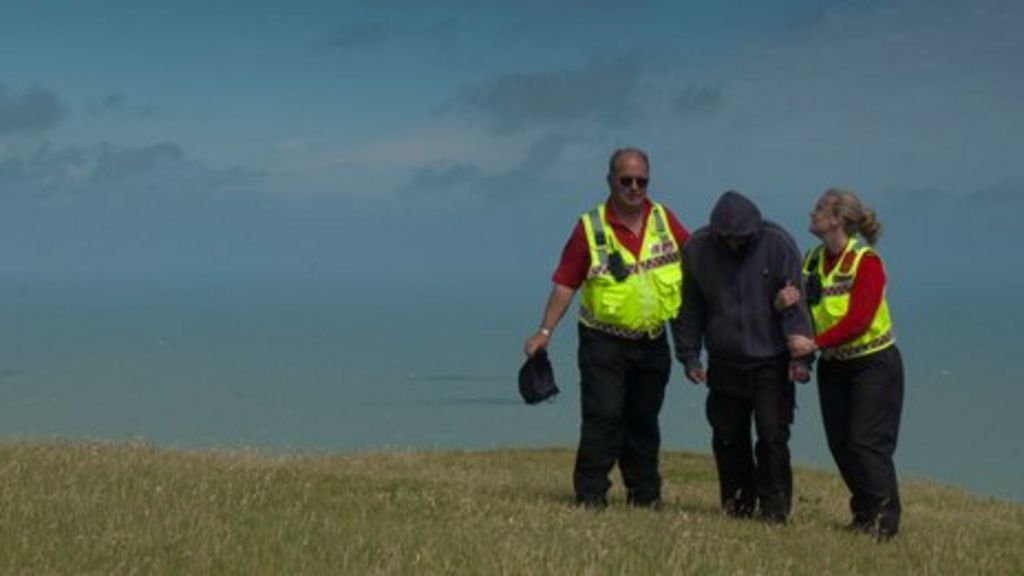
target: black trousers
861 404
622 387
749 475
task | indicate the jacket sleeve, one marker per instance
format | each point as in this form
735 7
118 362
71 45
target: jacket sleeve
688 325
795 319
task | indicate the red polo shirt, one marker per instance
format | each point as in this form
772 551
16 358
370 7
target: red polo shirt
572 268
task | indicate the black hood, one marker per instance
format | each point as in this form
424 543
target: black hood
735 215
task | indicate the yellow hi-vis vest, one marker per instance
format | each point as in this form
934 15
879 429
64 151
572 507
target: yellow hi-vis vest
835 301
639 305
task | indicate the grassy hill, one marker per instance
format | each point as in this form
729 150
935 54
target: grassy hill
115 508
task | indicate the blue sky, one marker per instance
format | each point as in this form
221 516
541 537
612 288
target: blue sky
462 138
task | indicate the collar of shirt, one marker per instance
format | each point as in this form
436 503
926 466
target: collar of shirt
625 236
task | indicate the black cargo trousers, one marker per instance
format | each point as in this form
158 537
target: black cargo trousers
750 475
861 403
622 388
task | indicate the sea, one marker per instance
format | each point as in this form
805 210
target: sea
323 366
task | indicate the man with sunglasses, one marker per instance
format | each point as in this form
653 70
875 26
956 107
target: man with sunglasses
624 257
732 270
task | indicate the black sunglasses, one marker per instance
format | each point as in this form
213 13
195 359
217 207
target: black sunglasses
630 181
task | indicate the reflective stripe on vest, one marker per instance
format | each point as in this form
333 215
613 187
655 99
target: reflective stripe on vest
651 292
600 237
835 302
588 320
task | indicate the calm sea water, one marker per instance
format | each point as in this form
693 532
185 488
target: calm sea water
322 366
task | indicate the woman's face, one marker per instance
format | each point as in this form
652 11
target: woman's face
823 219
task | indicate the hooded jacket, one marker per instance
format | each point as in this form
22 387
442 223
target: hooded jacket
728 296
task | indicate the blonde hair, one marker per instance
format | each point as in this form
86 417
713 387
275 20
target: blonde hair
855 216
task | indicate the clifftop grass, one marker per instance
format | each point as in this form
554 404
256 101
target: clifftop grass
110 508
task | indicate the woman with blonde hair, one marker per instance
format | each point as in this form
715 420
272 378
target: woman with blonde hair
860 373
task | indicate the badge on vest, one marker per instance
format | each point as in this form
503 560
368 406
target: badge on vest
662 248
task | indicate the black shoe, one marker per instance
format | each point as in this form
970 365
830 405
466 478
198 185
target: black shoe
876 528
650 504
774 518
592 502
883 523
860 523
857 526
738 508
882 529
644 498
882 534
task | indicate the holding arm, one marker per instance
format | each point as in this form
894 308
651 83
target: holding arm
568 277
788 296
800 346
793 313
688 326
865 298
558 302
796 320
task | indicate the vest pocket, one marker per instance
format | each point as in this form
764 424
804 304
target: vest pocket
612 299
668 282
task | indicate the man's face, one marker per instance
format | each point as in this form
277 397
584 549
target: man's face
735 244
628 183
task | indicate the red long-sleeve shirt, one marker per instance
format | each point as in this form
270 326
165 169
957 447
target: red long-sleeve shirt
865 298
575 262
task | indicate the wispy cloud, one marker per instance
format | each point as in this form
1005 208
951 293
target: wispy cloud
601 91
545 152
698 101
113 102
49 167
444 177
116 103
519 180
28 111
108 170
116 164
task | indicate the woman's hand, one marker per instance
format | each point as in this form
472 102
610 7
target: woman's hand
800 346
787 296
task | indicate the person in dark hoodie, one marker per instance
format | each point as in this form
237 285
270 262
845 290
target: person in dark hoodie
732 271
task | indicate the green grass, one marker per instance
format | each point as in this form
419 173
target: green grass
114 508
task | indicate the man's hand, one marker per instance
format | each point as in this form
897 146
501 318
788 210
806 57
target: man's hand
696 375
786 297
798 372
539 340
800 345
